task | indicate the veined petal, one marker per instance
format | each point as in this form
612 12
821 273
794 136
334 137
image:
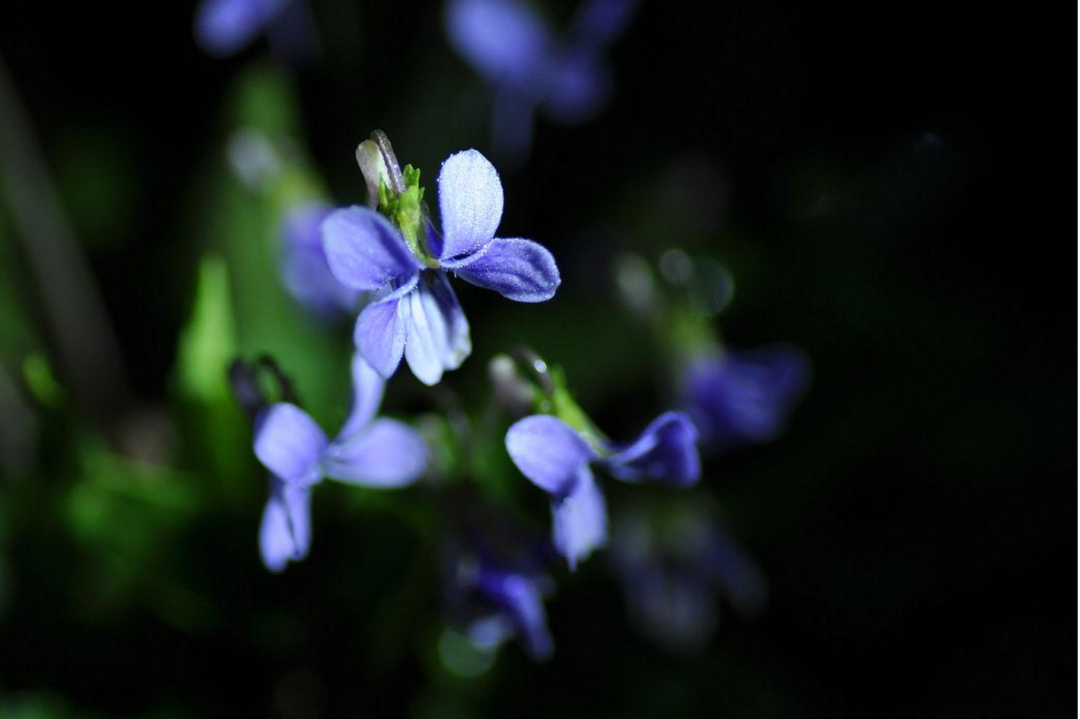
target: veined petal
364 251
380 331
504 40
387 453
470 203
549 452
436 331
289 443
367 394
666 452
580 519
285 532
520 270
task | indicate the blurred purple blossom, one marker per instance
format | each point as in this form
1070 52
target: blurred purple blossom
528 68
414 312
226 27
557 458
739 397
304 267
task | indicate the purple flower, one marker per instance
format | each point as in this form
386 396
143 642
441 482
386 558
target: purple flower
498 595
557 458
303 264
514 50
225 27
369 451
676 564
414 311
740 397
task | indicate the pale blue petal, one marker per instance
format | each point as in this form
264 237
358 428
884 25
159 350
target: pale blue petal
364 251
387 453
503 40
367 394
580 520
285 532
289 443
436 331
470 203
380 332
549 452
666 452
517 269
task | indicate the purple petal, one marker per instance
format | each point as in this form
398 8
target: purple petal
225 27
745 396
577 88
380 331
285 532
367 394
599 22
289 443
580 520
364 251
387 453
549 452
520 270
304 267
666 452
523 600
436 331
503 40
470 203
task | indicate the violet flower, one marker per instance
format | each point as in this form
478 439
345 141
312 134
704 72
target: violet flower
558 459
304 267
226 27
369 451
529 68
744 397
414 311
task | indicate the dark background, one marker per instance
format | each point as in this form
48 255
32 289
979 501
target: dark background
887 185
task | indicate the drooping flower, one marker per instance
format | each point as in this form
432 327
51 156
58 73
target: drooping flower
414 311
369 451
558 459
530 68
677 565
303 263
496 592
746 396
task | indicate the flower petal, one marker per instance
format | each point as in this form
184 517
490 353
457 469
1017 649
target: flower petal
549 452
504 40
436 331
289 443
304 267
387 453
380 333
520 270
580 520
225 27
367 394
666 452
470 203
364 251
285 532
520 597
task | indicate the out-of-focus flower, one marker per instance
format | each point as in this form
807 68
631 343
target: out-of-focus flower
743 397
369 451
557 458
529 68
304 267
225 27
496 592
414 311
677 565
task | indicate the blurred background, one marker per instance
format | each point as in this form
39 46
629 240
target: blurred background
876 182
